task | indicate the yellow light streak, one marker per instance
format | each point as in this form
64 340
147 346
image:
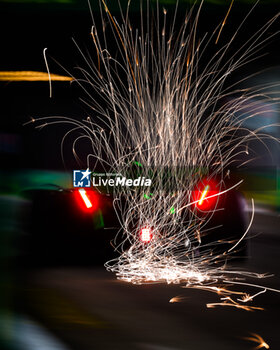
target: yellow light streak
204 193
31 76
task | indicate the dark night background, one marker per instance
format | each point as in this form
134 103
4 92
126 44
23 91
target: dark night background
84 307
29 27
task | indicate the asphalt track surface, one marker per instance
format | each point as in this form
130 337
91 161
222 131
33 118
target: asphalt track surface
88 308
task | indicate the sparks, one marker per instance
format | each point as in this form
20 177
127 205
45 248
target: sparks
259 340
157 106
228 301
177 299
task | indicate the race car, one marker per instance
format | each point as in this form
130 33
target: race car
77 226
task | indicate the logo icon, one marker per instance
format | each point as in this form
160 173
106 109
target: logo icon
81 178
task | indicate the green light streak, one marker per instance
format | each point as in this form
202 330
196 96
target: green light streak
172 210
138 163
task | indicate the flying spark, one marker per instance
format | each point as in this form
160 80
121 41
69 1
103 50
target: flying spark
259 340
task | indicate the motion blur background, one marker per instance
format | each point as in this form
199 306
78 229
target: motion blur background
46 305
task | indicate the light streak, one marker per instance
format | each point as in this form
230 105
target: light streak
228 301
259 340
198 236
218 290
31 76
213 195
156 105
177 299
172 210
256 285
203 195
247 230
49 74
247 297
85 198
224 22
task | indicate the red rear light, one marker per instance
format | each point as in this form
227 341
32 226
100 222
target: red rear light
204 195
87 199
146 235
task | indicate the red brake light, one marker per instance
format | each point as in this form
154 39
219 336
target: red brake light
202 195
146 235
87 200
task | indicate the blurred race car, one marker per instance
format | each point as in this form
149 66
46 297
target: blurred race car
77 226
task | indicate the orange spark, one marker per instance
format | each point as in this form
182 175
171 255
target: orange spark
259 340
224 22
218 290
230 302
177 299
247 297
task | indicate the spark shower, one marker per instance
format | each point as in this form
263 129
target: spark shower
165 100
